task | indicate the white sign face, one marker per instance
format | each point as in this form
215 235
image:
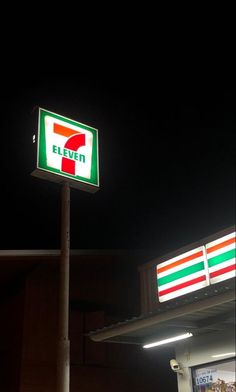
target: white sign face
205 376
69 149
181 275
197 268
221 258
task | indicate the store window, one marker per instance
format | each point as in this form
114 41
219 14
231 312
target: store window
215 377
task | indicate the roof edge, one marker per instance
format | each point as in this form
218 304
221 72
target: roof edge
134 325
73 252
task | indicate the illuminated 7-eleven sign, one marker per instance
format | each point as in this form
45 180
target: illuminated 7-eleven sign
67 150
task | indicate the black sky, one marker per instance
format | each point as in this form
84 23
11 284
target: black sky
167 161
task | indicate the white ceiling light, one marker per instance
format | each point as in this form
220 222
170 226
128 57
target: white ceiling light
169 340
224 355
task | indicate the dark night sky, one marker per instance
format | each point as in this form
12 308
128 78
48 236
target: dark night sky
167 161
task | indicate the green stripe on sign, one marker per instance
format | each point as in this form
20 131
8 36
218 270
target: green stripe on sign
221 258
181 274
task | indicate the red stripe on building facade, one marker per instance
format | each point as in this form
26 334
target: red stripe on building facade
182 285
223 271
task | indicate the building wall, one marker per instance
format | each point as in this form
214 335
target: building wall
38 369
11 327
199 350
28 355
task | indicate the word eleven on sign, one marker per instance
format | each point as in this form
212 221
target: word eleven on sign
69 153
69 149
197 268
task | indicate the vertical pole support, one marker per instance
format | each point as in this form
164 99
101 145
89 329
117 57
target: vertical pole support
63 353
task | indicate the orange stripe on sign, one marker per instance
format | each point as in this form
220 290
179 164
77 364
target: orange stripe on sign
64 131
179 262
221 245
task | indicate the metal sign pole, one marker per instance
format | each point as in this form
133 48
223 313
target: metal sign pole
63 359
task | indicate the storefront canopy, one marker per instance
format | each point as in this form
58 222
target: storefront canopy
216 312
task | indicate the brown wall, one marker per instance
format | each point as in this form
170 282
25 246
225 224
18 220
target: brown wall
40 330
11 327
94 366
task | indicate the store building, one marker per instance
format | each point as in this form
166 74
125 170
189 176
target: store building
188 294
100 283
